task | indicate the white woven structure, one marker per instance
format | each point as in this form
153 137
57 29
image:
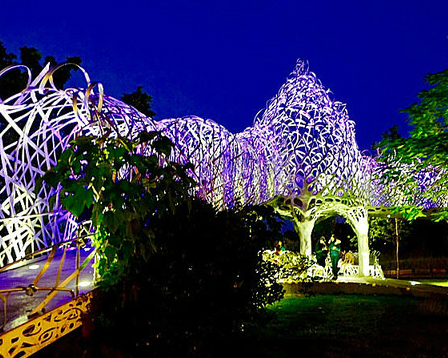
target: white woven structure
300 155
38 124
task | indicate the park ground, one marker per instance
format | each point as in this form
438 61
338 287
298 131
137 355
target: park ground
333 319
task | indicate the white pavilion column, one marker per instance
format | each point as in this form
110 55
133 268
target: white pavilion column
362 233
305 229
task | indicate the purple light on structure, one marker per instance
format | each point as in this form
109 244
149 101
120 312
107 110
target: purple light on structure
302 144
302 134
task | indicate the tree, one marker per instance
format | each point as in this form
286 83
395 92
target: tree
6 59
123 192
387 232
15 81
425 150
180 276
140 101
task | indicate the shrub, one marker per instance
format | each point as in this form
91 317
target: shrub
177 277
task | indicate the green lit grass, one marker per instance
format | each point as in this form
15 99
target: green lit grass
356 326
337 316
441 282
332 326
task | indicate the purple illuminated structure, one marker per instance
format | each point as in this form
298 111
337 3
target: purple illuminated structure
300 156
409 185
40 122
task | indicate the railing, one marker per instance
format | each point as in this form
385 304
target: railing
59 285
44 329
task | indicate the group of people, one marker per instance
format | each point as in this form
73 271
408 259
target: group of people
322 249
333 247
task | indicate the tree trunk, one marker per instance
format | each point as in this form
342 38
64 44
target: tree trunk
304 227
397 245
361 229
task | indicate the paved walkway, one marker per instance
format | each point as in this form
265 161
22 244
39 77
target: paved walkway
366 285
19 304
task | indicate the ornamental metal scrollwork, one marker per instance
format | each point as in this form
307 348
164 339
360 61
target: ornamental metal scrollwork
39 332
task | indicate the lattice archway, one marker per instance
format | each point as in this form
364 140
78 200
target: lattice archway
301 146
305 215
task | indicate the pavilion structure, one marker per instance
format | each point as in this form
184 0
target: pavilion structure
300 156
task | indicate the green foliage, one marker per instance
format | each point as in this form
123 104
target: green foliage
292 266
123 192
267 288
180 276
441 215
381 229
428 118
409 212
201 288
382 232
426 147
140 101
6 58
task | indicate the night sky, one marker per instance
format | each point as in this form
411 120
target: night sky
224 59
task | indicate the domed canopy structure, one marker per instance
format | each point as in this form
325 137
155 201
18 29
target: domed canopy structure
313 139
300 156
319 169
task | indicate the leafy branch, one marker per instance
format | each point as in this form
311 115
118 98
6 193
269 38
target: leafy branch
123 186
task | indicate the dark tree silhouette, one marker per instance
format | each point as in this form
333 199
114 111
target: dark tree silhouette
15 81
140 101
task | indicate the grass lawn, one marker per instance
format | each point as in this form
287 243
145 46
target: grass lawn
355 326
339 326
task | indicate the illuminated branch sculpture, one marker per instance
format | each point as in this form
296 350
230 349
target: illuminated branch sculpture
300 155
319 170
399 184
37 125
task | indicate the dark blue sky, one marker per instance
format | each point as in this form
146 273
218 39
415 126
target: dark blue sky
224 59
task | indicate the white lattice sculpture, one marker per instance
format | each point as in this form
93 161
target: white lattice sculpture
407 184
303 144
300 155
319 169
38 124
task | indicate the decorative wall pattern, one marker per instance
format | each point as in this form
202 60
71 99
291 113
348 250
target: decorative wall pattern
39 332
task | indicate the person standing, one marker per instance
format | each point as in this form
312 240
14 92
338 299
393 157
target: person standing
279 248
321 250
335 249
